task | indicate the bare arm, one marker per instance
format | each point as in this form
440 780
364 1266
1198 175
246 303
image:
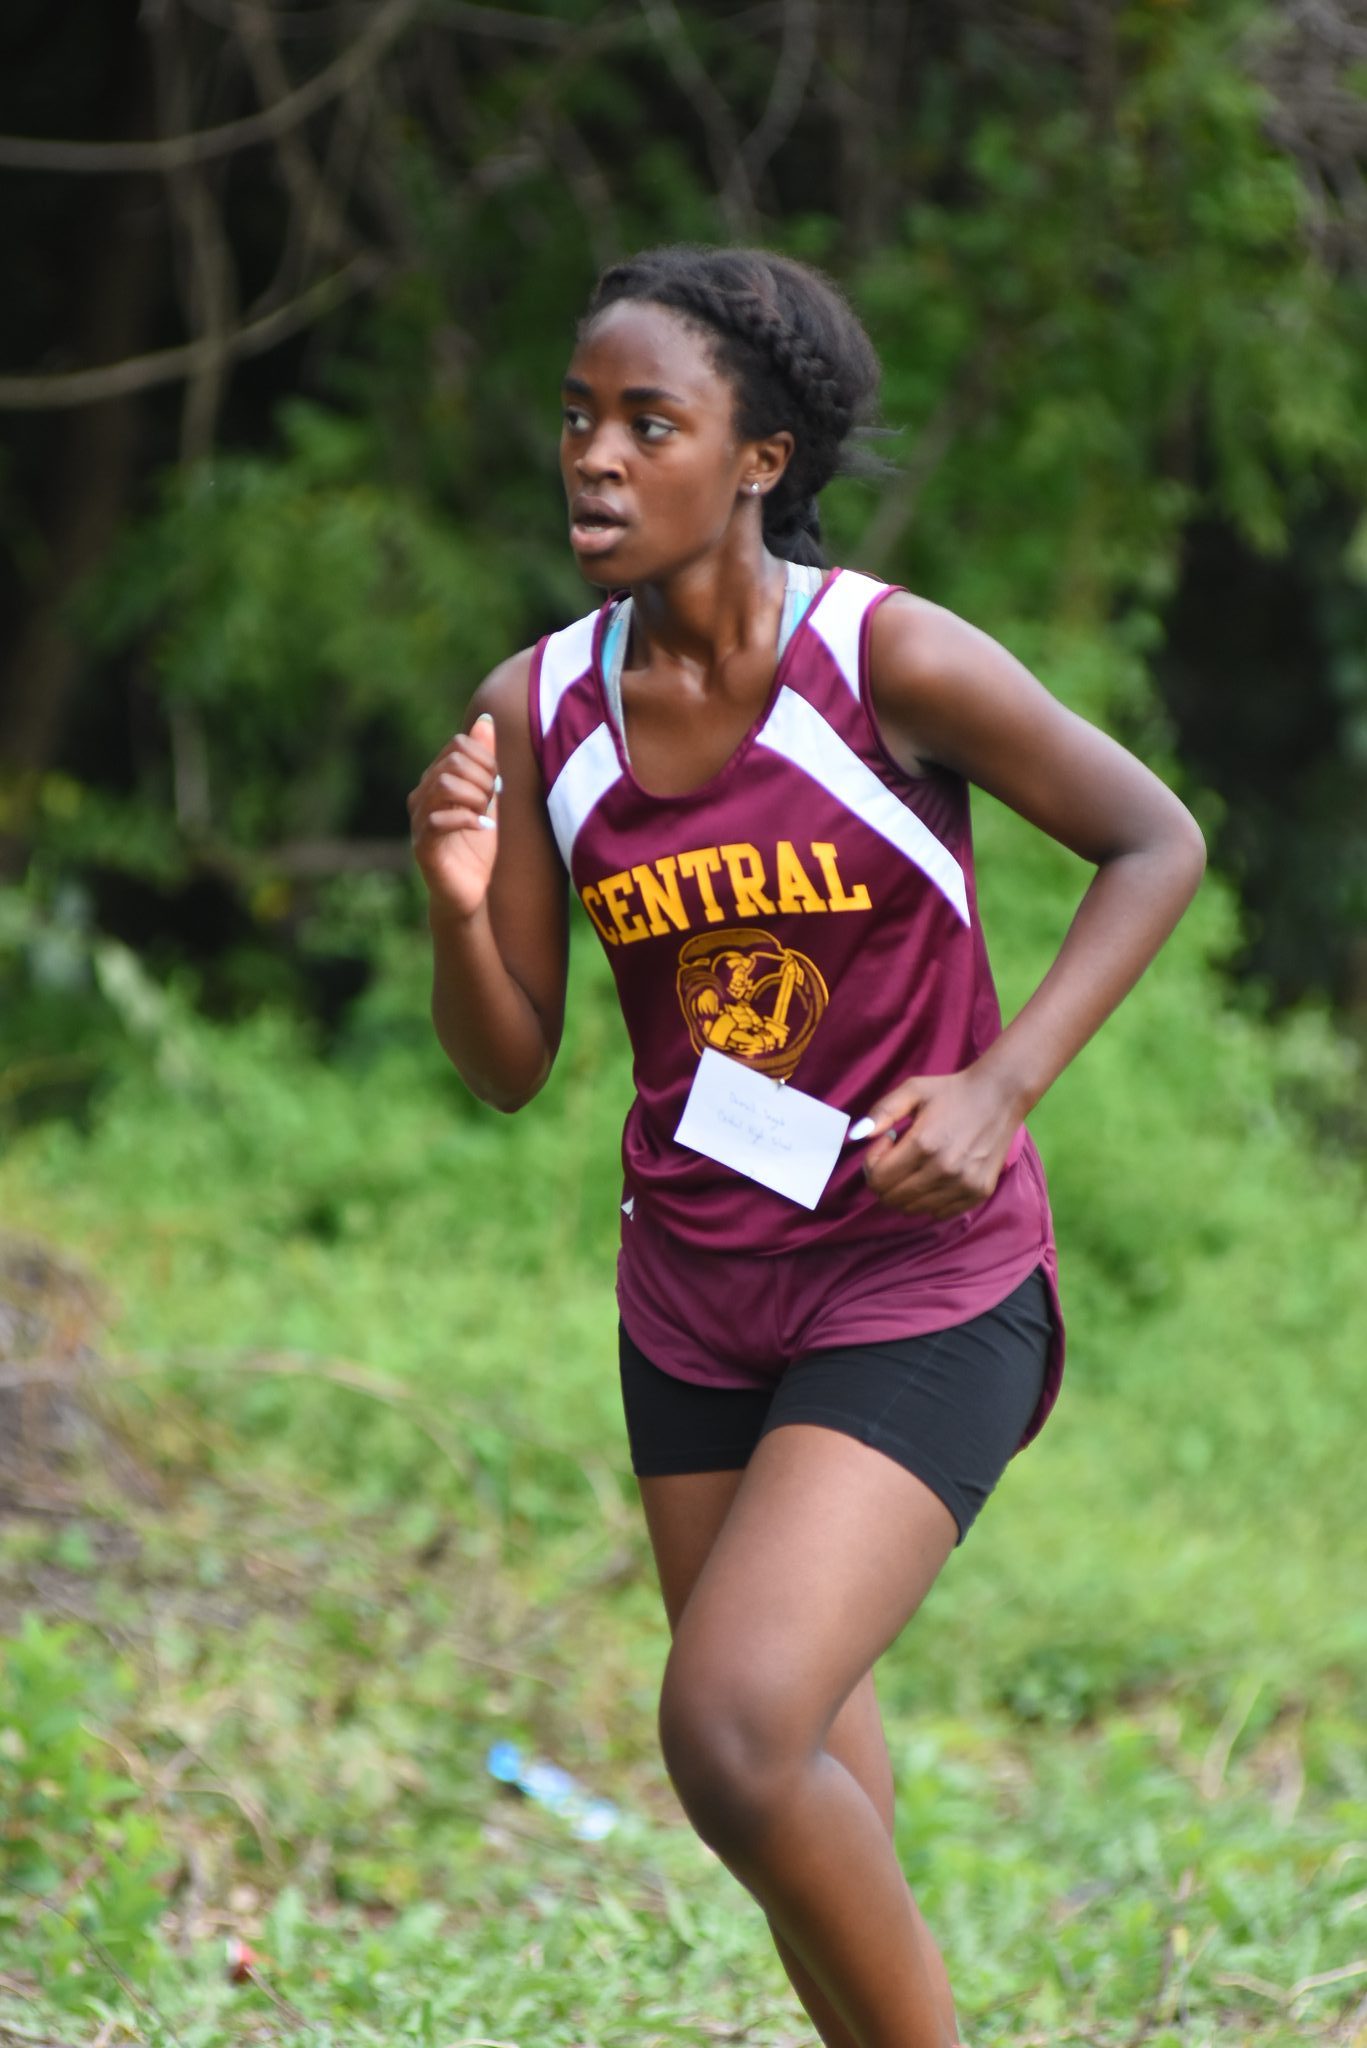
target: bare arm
496 898
947 693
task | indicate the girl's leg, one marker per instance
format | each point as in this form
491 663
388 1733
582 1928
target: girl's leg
684 1515
828 1548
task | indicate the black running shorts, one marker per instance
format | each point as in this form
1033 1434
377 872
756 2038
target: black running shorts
951 1406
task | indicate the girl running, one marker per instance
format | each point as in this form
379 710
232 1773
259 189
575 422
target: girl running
837 1276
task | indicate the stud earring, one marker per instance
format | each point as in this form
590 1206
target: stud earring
753 489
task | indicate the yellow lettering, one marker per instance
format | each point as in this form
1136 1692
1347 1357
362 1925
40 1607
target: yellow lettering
659 887
615 889
591 898
700 865
747 879
795 891
840 898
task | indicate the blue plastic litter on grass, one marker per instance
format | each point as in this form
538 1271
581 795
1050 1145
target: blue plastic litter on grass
545 1784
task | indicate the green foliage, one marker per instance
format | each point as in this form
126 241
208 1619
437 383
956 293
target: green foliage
308 605
372 1328
76 1008
1106 310
81 1867
1109 315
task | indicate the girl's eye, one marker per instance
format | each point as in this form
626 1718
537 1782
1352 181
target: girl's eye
575 418
654 431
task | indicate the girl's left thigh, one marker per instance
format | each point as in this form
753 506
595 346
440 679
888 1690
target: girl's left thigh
826 1551
685 1514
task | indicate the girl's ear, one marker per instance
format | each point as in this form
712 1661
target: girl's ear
769 458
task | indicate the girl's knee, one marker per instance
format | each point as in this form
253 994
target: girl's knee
733 1748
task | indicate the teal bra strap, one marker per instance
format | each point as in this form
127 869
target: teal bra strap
615 644
795 602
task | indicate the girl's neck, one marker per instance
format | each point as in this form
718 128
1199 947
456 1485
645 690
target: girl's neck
709 611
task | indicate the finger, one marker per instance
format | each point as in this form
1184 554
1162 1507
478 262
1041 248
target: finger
893 1108
924 1182
476 790
448 797
483 733
898 1141
941 1197
894 1153
475 768
465 756
440 783
893 1116
462 820
914 1164
450 808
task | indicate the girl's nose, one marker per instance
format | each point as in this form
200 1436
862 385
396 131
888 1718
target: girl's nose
600 457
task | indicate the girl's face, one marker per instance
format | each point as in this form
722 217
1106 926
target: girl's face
654 473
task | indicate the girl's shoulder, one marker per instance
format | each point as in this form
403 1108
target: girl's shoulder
503 695
911 624
504 689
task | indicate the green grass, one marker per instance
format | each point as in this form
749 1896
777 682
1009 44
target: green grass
359 1338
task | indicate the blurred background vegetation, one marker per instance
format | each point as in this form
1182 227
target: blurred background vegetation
290 287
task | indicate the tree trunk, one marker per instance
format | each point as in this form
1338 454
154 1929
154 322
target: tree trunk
90 466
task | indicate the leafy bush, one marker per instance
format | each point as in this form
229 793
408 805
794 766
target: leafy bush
82 1864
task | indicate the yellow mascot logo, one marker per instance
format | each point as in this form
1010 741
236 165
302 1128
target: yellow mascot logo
746 995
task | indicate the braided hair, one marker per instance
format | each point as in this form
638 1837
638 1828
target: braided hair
793 349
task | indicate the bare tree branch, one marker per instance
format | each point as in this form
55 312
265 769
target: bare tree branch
501 21
789 89
316 220
207 276
141 373
209 289
590 188
89 458
286 21
861 82
1319 116
31 153
719 129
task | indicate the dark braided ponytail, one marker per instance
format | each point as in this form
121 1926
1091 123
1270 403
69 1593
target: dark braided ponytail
792 347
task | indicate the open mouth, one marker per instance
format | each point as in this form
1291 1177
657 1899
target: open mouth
592 532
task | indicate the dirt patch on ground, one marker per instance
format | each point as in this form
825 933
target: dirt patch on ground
57 1431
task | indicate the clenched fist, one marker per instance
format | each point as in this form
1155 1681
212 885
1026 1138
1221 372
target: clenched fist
453 814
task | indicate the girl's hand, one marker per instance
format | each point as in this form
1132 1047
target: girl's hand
453 813
499 935
950 1156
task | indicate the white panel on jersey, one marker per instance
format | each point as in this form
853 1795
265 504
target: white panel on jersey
796 729
564 658
582 783
839 619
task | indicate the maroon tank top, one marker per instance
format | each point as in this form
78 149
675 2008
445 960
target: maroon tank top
810 910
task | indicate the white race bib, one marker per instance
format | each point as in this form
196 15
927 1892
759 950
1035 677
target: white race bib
765 1129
